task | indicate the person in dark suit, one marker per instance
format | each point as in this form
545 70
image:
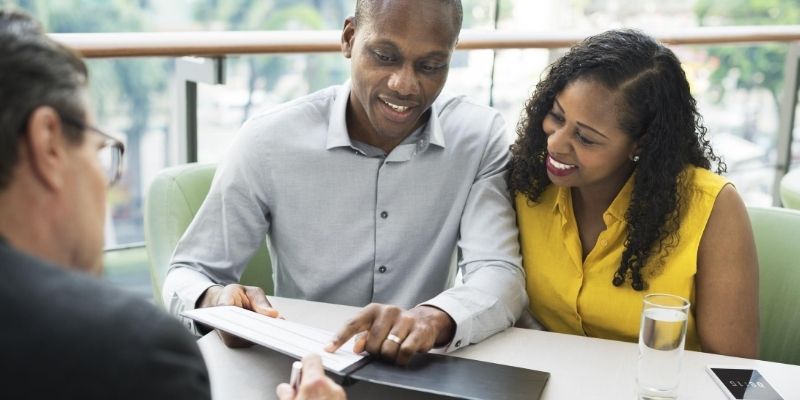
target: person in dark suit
64 333
69 335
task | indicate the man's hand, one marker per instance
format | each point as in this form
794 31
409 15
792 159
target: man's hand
313 384
396 334
250 298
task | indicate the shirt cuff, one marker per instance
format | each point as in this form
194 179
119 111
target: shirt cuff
182 288
460 315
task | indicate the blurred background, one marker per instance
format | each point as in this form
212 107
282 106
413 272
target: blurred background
738 87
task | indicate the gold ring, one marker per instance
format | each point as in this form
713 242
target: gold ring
394 338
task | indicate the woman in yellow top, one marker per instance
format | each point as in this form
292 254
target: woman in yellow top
615 200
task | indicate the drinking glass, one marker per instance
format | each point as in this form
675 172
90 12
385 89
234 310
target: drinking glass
662 335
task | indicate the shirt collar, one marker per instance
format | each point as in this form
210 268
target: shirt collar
563 200
434 130
617 209
337 125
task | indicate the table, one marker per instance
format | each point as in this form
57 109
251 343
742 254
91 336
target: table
580 367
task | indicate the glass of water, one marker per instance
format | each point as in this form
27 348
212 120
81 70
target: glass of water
662 335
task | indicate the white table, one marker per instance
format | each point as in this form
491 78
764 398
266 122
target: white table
580 367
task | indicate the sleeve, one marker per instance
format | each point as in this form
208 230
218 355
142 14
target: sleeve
227 230
492 295
170 365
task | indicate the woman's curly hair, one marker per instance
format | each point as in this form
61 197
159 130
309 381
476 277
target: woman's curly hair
655 108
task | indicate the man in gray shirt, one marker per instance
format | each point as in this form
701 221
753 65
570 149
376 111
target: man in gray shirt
365 191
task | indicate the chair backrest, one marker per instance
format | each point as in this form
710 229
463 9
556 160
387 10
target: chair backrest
777 235
790 189
172 202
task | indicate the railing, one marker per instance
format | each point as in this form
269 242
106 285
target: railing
214 46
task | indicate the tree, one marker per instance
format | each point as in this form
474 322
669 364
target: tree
266 71
126 83
756 66
481 13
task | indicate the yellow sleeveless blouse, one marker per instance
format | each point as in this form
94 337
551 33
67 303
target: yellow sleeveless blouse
572 296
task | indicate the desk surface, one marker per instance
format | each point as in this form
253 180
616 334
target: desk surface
580 367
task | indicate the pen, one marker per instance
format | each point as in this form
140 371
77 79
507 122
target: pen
294 377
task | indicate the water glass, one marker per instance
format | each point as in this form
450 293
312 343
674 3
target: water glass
662 335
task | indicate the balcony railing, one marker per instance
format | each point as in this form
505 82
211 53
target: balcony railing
215 44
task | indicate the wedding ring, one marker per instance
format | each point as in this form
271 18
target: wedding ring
394 338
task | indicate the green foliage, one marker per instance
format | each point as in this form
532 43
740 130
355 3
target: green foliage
751 66
480 13
266 71
749 12
67 16
258 14
120 87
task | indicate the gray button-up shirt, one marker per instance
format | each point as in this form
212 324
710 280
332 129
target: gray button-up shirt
348 226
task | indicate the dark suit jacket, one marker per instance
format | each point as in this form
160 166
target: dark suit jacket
66 335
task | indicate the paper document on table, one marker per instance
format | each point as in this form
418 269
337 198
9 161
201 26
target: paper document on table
291 338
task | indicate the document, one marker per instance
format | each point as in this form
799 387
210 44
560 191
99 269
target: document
290 338
435 374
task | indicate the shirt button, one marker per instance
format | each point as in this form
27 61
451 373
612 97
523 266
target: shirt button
458 343
384 215
382 269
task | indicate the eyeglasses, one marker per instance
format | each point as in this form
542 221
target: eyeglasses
109 154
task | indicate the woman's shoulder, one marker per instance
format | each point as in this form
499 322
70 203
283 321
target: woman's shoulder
703 182
707 191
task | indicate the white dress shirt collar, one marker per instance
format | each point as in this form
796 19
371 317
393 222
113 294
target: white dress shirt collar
338 135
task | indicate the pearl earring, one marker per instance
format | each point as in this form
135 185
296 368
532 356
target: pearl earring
635 158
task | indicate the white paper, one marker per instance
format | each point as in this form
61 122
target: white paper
287 337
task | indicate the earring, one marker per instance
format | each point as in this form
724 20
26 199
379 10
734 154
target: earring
635 158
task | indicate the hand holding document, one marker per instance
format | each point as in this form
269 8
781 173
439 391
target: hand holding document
247 297
290 338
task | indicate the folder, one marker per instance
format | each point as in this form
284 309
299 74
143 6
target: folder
455 377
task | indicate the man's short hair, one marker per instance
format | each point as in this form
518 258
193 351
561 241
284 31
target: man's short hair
34 71
365 9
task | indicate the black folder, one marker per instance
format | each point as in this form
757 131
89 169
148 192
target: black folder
453 377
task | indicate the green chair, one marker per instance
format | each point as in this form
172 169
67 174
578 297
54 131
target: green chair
777 236
172 202
790 189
